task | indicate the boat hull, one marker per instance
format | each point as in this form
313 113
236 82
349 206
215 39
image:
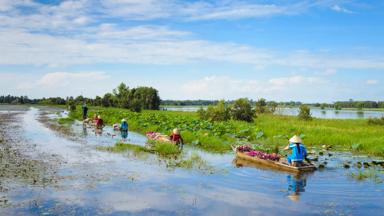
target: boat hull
281 166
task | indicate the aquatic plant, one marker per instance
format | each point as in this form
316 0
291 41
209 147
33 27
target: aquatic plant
67 120
362 175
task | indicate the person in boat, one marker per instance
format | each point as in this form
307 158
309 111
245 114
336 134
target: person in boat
124 129
176 138
85 111
99 123
299 153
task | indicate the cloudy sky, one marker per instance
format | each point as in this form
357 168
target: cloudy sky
281 50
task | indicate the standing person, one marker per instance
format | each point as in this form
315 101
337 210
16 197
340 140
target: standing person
299 153
85 111
176 138
124 129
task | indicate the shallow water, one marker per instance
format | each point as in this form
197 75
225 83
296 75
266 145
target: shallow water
92 182
315 112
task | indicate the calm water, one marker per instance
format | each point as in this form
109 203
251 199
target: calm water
316 112
92 182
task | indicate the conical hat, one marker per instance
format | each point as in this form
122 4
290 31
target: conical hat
295 139
176 131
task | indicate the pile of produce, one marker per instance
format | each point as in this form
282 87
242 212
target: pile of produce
157 136
253 153
152 135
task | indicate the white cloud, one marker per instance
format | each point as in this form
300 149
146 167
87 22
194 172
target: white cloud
371 82
66 79
200 10
216 87
340 9
56 84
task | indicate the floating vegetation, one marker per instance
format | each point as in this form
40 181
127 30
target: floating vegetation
67 120
122 147
162 149
372 174
193 162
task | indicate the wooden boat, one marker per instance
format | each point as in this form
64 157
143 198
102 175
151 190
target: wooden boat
278 165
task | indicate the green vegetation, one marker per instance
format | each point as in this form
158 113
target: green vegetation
305 113
162 149
372 174
376 121
268 130
193 162
67 120
121 147
219 112
134 99
240 110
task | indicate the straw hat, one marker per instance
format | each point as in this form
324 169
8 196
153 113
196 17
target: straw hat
295 139
99 116
294 197
123 120
176 131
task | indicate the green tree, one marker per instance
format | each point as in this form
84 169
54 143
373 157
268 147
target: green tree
107 100
71 104
242 110
305 113
272 106
261 106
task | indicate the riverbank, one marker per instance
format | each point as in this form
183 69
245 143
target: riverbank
268 132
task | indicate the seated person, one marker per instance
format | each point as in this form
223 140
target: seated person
299 153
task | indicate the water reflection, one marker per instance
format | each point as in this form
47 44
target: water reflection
360 114
296 186
85 130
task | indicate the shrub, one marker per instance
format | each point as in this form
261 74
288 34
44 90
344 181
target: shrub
219 112
261 106
242 110
305 113
376 121
272 106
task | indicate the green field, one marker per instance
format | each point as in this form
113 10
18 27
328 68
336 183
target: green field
271 132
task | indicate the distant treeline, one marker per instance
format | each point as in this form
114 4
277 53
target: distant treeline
188 102
148 98
351 104
134 99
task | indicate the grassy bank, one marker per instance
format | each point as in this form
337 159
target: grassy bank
269 130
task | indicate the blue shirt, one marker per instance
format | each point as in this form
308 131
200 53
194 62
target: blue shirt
296 154
124 126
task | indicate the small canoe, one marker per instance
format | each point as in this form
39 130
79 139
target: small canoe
279 165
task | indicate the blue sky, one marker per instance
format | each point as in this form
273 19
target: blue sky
311 51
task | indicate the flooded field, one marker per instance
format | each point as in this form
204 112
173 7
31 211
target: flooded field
49 169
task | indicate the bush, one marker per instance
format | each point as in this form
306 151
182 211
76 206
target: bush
376 121
261 106
305 113
242 110
219 112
